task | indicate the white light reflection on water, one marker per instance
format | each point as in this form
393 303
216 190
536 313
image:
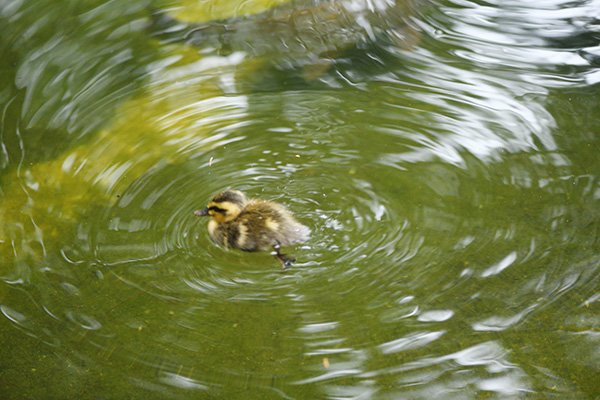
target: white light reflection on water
448 219
412 341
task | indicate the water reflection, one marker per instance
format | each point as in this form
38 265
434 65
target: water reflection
453 207
307 34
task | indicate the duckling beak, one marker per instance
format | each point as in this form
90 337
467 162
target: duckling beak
201 213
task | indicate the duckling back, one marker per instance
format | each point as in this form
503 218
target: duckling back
263 224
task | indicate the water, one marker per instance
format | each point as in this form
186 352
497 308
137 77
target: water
451 184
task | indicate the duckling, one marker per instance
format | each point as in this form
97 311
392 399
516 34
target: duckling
252 224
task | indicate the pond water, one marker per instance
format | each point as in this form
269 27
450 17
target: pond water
443 153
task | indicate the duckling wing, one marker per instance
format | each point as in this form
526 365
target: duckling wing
274 224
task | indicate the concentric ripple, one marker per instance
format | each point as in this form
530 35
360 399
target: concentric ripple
450 186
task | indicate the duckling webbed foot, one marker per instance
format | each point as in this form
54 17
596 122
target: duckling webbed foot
286 261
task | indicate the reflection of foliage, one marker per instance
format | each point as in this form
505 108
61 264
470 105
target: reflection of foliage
307 36
63 73
65 68
205 10
63 77
43 203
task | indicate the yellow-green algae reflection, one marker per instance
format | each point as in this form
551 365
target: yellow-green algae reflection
56 193
159 126
451 188
208 10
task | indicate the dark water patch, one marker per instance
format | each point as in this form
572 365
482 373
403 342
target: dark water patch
66 72
452 194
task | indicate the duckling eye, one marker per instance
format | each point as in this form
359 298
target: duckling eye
215 209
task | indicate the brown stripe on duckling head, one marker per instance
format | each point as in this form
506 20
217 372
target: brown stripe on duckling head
231 196
223 211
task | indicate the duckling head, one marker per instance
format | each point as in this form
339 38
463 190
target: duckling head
224 206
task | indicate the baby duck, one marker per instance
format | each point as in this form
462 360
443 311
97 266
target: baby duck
252 224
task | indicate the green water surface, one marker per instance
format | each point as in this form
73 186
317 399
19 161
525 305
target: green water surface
451 187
